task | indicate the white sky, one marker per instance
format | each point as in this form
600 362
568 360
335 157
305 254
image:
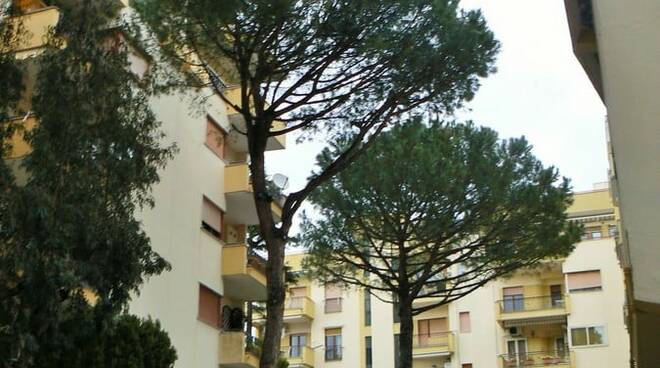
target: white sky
540 91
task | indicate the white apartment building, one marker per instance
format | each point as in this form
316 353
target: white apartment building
564 313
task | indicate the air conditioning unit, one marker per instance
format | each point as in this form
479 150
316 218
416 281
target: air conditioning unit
515 331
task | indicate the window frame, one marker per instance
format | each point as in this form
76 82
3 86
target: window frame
337 353
586 329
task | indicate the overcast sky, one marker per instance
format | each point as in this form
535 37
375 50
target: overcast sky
540 91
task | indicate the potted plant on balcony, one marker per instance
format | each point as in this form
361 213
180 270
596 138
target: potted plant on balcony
550 360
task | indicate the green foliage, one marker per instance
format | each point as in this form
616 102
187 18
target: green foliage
72 226
427 197
125 342
282 363
342 69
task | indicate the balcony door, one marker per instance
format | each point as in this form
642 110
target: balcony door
513 299
296 297
431 331
556 298
517 352
297 342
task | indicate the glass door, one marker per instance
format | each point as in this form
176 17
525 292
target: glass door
517 352
297 344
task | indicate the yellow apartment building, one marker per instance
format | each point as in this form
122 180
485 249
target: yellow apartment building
564 313
618 44
203 204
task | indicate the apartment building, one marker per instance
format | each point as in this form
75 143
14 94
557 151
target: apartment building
618 44
203 204
563 313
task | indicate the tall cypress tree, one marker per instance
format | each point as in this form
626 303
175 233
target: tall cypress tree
72 227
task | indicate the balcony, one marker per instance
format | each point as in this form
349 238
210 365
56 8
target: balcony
34 25
519 311
537 359
299 309
243 274
237 351
299 356
433 345
241 208
238 140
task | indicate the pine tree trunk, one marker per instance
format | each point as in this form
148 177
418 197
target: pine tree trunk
406 333
274 305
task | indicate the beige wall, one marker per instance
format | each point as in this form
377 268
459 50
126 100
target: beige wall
603 307
174 228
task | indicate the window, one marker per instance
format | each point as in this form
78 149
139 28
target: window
556 298
431 331
212 218
210 306
368 356
333 344
513 299
612 231
594 232
367 307
215 138
297 343
585 336
583 281
332 298
464 322
466 365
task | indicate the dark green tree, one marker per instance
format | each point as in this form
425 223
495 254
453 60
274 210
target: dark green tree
126 342
426 198
331 67
71 227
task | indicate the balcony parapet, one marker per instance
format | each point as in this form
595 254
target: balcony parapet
515 311
433 344
536 359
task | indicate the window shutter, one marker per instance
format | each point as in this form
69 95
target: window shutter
510 291
212 216
210 305
215 138
464 321
584 280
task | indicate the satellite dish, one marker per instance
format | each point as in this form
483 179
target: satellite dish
281 181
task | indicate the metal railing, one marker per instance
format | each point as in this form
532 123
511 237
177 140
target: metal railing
536 359
516 303
332 305
333 353
435 339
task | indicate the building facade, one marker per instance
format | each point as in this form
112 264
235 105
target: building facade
564 313
618 44
203 205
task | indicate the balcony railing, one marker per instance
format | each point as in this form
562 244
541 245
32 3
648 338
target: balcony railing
432 340
521 304
299 355
333 353
536 359
332 305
